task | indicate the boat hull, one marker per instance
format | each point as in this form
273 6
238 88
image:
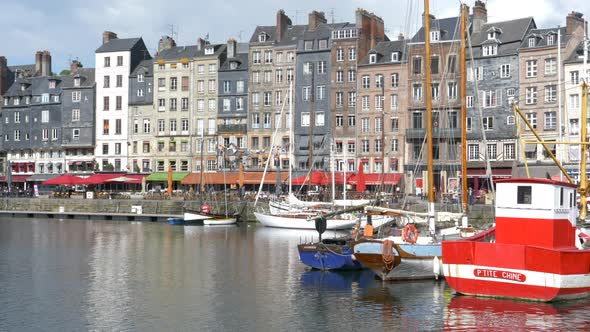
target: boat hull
328 257
411 261
295 222
520 272
220 221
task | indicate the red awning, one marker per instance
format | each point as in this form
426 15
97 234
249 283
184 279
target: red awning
15 178
100 178
374 179
127 178
66 179
316 178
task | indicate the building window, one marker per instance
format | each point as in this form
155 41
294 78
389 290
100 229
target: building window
255 120
107 61
550 66
510 120
531 95
468 124
490 98
352 54
394 103
394 80
106 82
117 148
532 118
76 133
473 151
173 104
304 119
489 50
118 127
417 65
373 58
339 120
76 114
574 101
365 148
184 104
434 64
105 127
550 93
574 77
340 54
488 123
365 126
417 92
308 45
267 98
452 90
118 103
44 116
366 79
351 121
320 119
146 126
505 71
531 42
435 35
119 60
550 120
452 60
492 151
509 151
351 98
435 87
531 68
365 103
339 98
119 82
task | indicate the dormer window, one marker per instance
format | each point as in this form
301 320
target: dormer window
394 57
550 39
23 87
492 35
532 42
209 50
434 35
17 101
52 84
262 37
5 101
139 77
233 65
373 58
77 81
45 98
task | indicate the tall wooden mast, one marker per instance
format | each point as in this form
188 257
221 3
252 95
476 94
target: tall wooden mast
583 189
464 189
429 131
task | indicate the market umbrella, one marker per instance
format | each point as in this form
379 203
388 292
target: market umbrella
360 179
125 179
169 181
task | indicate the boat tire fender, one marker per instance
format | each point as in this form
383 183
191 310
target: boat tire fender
410 233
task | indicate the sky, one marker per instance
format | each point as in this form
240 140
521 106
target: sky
72 29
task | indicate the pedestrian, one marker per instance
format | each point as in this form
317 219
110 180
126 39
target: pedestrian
470 195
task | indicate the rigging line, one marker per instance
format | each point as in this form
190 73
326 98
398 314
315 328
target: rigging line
480 113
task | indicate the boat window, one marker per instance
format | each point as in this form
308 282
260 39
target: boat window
571 199
524 195
560 196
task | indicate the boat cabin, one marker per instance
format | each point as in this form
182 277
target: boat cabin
537 212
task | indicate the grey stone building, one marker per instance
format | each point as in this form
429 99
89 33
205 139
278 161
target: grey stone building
495 71
232 110
141 117
312 120
47 122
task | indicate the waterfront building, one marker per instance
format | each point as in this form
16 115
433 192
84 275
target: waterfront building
205 68
232 110
350 45
383 77
171 119
539 86
446 78
142 117
48 121
271 63
115 61
494 67
572 104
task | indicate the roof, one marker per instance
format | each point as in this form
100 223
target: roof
30 67
541 35
510 35
384 50
577 55
118 45
241 58
177 53
447 27
146 65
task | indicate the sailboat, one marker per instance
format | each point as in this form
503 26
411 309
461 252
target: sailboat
411 256
204 213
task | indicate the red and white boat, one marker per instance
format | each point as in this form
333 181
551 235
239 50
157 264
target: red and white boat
536 254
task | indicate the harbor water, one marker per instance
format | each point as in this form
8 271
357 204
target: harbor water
83 275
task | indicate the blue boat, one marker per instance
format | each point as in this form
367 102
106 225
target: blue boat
176 221
329 254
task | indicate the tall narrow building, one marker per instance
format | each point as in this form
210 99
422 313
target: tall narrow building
115 61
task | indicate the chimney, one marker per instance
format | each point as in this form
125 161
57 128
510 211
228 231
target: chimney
231 48
201 44
315 19
371 30
165 43
107 36
74 66
46 63
283 21
480 15
574 21
401 36
38 64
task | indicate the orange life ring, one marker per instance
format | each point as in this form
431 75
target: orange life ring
410 233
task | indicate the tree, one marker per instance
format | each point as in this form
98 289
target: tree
64 72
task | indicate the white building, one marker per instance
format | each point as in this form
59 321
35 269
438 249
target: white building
115 60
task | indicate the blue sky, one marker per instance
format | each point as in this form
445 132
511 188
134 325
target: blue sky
72 29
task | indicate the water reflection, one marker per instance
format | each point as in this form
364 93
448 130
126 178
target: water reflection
474 313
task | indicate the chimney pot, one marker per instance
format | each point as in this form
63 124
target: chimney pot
107 36
315 19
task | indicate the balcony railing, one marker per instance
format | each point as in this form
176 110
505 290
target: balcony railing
232 128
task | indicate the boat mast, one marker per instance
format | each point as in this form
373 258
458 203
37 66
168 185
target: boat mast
344 148
333 166
311 123
428 95
464 189
559 111
383 133
583 188
290 135
202 185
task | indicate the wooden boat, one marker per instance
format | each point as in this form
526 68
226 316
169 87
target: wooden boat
534 256
301 221
329 254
